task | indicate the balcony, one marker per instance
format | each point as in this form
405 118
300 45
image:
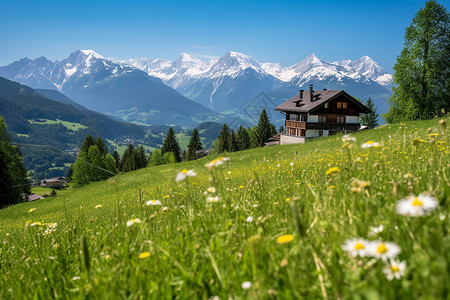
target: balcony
333 126
295 124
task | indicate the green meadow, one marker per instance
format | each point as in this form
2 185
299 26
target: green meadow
274 226
69 125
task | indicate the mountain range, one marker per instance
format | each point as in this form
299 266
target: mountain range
110 87
228 84
190 90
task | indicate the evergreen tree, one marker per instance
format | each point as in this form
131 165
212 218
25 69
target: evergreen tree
281 129
91 164
223 139
242 139
101 146
422 70
232 143
170 144
371 119
142 159
263 130
88 141
126 164
13 174
116 157
194 145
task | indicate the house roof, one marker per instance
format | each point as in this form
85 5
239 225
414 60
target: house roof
320 97
33 197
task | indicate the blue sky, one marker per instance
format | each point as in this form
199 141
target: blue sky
270 31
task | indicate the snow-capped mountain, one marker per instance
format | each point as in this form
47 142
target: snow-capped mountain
232 81
111 87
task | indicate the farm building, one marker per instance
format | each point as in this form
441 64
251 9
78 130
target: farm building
319 113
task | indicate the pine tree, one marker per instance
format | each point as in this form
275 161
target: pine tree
242 139
194 145
223 139
232 143
422 70
263 130
13 174
88 141
101 146
126 163
170 144
371 119
116 157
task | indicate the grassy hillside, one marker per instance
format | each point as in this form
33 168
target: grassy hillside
283 216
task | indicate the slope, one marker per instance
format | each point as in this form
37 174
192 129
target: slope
283 214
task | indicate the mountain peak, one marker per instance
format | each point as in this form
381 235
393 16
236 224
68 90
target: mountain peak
91 53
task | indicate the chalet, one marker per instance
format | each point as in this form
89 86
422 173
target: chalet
319 113
34 197
54 183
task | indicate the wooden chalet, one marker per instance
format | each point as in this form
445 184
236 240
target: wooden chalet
319 113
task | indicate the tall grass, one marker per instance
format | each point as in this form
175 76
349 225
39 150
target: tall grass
190 248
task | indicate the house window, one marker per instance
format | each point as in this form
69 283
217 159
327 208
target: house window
293 117
326 105
303 118
322 119
341 104
340 119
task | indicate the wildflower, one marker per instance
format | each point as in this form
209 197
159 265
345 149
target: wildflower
348 138
356 247
394 269
360 183
417 141
416 206
370 144
246 285
153 202
288 199
133 221
241 186
213 199
76 278
144 255
216 162
184 174
211 190
374 230
332 170
31 210
249 219
165 208
98 206
383 250
433 135
287 238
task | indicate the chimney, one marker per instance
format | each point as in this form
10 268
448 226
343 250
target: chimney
325 89
301 94
311 93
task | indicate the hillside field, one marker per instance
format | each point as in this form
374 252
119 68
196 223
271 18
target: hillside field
275 231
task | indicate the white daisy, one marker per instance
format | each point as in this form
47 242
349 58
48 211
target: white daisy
211 190
416 206
153 202
213 199
249 219
356 247
217 162
370 144
374 230
184 174
394 269
383 250
133 221
348 138
246 285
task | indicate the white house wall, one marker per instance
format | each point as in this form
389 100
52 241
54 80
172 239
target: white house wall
352 119
315 133
287 139
313 118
